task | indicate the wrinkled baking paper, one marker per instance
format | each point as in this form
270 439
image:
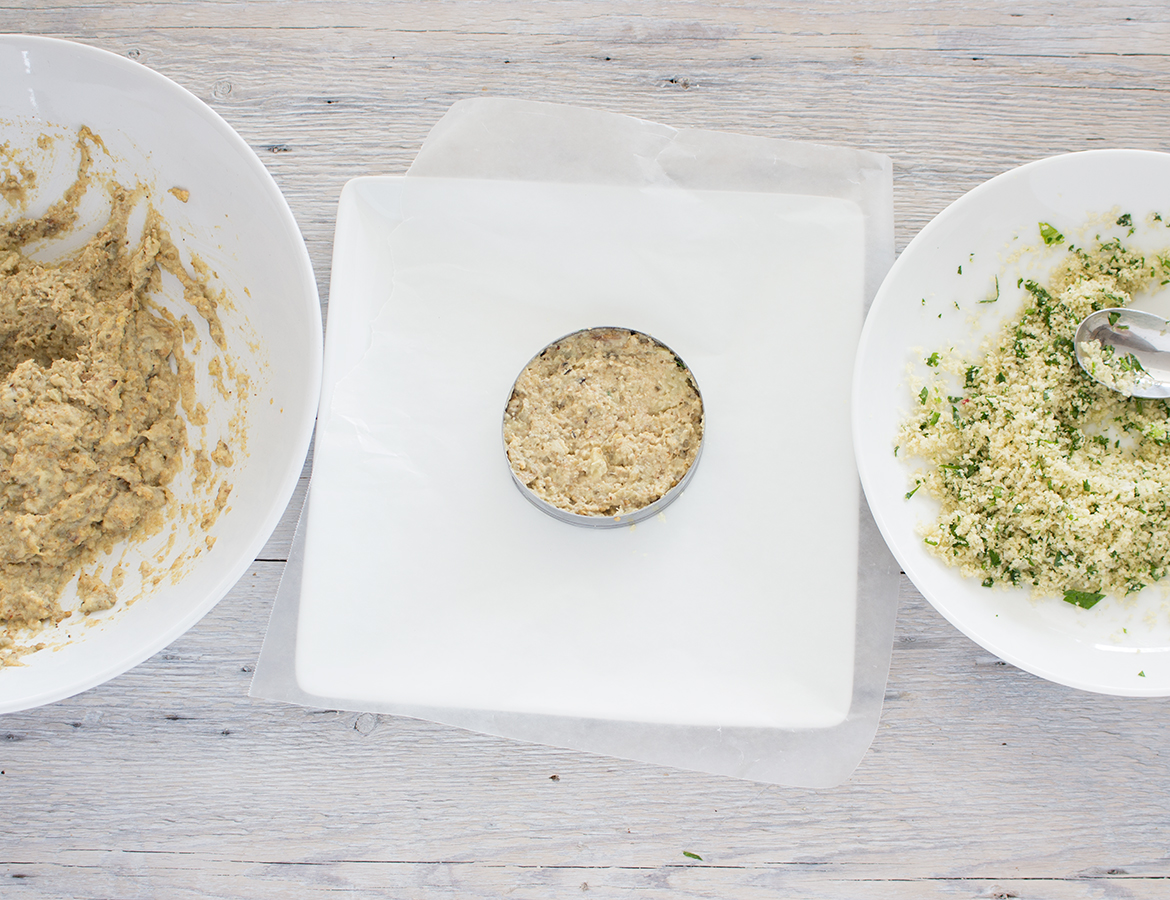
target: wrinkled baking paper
746 631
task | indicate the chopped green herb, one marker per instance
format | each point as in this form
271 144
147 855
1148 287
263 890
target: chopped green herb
1050 234
960 270
1142 673
932 360
992 299
1130 363
1083 599
922 395
910 494
1125 220
689 855
1113 317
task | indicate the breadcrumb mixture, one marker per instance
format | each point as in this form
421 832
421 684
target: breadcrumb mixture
1047 479
1122 372
603 422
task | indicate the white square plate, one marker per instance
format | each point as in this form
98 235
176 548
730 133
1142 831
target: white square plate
431 587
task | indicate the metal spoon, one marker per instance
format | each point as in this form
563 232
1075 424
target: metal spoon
1134 336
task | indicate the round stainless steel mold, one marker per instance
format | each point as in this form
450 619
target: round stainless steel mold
625 518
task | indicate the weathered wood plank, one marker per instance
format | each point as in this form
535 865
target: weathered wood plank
979 773
137 875
353 88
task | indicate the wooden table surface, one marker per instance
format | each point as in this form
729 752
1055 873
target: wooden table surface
982 780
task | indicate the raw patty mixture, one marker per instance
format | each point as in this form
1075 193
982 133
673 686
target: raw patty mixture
93 379
603 422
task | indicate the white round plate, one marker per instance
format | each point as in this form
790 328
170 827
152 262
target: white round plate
236 220
931 301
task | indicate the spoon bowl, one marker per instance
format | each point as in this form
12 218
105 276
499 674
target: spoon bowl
1127 350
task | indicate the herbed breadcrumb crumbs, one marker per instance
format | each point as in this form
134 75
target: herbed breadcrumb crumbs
1047 479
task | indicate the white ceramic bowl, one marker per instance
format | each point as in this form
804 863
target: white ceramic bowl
931 300
237 222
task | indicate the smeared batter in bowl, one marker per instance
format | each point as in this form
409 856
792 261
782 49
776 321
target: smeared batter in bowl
94 385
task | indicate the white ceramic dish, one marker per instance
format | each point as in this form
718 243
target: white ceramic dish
441 291
236 221
931 300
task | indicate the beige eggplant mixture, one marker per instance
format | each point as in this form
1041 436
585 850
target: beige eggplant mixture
94 384
603 422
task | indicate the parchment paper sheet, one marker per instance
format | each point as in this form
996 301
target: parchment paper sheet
746 633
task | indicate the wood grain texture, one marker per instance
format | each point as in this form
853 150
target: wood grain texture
982 781
169 781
